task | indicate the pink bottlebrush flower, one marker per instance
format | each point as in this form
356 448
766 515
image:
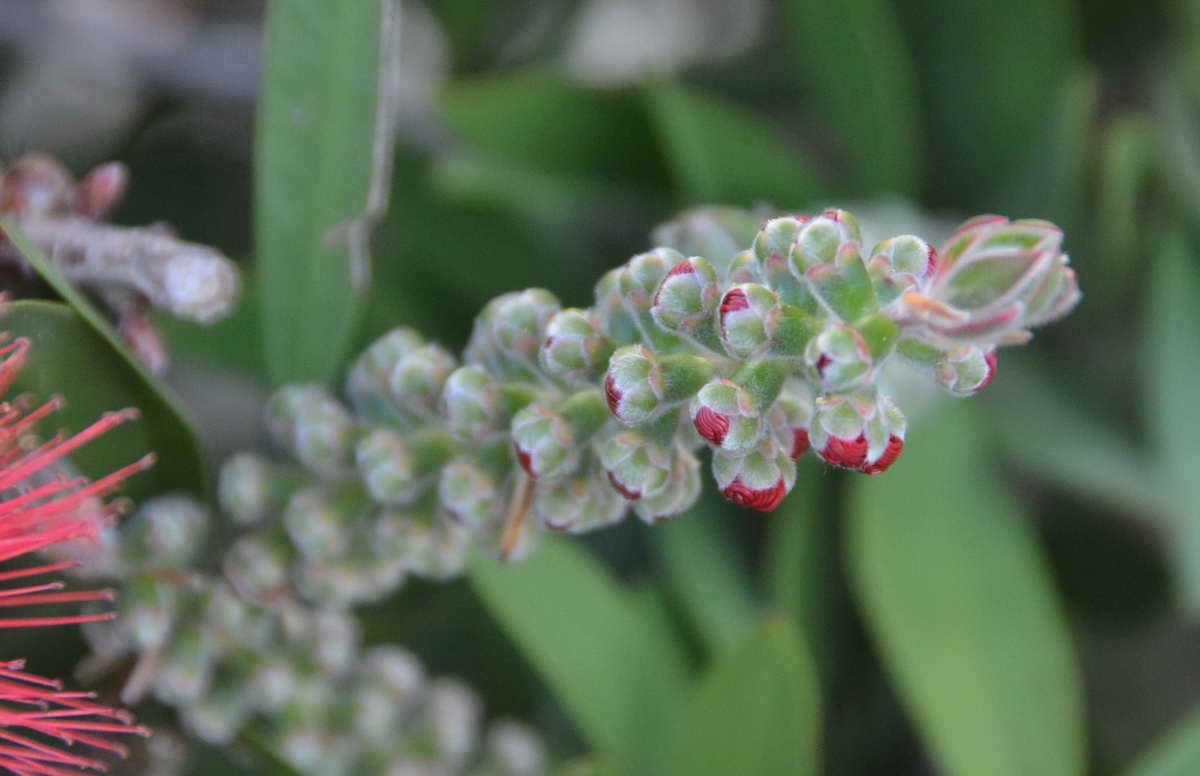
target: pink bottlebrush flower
38 509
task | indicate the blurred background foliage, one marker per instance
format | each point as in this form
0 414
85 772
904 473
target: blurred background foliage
1019 595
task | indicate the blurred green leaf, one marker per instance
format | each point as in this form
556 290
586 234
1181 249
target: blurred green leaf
316 158
605 652
71 358
756 712
800 566
700 565
538 120
1127 154
1048 431
958 598
1173 364
1175 754
1051 179
721 153
989 72
1177 110
854 59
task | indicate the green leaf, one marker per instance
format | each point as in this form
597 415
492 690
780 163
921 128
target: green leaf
71 358
607 655
1094 459
538 120
989 72
958 598
1127 153
721 153
852 55
1173 364
701 567
1175 754
756 712
321 173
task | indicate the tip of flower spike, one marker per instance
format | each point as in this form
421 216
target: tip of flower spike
894 447
764 500
848 453
711 425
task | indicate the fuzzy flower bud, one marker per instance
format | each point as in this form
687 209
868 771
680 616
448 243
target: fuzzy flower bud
637 466
187 668
640 387
579 502
316 519
395 468
682 489
725 415
168 531
547 440
428 546
249 487
900 264
416 381
819 241
515 749
511 329
368 385
717 233
857 432
257 564
772 247
746 318
841 358
313 426
469 493
758 480
791 417
686 298
575 348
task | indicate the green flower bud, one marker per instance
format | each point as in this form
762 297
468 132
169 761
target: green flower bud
841 359
726 416
470 493
758 480
388 683
615 319
745 268
772 249
579 502
791 416
899 265
638 283
368 384
454 714
257 564
234 624
686 298
416 382
317 518
514 749
548 440
821 240
148 611
682 490
396 469
313 427
216 717
746 319
249 487
638 467
187 668
430 547
575 347
844 287
167 531
639 387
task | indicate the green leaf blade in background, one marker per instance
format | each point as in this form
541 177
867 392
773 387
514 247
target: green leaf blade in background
1172 360
852 55
720 153
606 653
962 607
989 72
1176 754
701 567
317 150
70 358
756 712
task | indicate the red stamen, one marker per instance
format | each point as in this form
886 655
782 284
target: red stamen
850 453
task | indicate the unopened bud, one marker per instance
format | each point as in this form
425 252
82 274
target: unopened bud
471 403
548 440
791 417
640 387
840 357
579 502
725 415
686 298
717 233
187 667
637 466
575 348
469 493
758 480
681 491
249 487
312 425
746 318
416 381
101 190
167 531
397 469
317 519
821 240
368 384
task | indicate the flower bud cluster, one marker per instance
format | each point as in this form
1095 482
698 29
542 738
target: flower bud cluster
567 419
298 674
